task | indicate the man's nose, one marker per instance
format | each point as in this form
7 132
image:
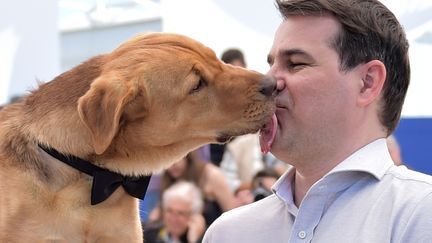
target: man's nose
276 75
280 85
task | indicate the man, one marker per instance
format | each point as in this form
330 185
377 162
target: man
342 70
234 57
182 219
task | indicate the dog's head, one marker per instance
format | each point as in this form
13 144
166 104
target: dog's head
161 95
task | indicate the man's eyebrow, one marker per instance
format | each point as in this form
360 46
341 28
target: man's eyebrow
293 52
290 52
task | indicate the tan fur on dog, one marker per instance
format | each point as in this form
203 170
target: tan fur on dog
133 111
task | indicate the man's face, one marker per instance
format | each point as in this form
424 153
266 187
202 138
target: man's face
176 216
316 103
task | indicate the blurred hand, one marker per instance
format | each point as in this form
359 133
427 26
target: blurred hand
244 197
197 227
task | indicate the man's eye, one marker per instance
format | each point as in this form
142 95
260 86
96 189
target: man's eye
296 65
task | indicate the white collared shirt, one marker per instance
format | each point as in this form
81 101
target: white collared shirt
365 199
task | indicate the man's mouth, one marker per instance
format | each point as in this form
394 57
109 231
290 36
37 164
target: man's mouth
267 134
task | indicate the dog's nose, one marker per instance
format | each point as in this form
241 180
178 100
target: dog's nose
268 86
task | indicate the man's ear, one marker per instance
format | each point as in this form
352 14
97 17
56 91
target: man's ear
101 108
373 77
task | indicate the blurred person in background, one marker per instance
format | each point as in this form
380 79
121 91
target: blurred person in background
182 220
217 195
260 187
263 182
234 56
394 150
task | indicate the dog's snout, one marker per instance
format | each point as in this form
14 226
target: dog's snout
268 86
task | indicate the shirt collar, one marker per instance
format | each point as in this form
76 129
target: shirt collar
373 159
283 189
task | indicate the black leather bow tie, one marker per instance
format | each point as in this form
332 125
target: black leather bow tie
105 182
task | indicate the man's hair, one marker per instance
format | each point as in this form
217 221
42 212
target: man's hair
369 31
185 191
233 54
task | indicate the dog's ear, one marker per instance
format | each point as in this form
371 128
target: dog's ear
102 106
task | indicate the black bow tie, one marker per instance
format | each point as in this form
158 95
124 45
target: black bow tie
105 182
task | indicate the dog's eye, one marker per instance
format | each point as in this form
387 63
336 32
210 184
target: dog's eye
201 83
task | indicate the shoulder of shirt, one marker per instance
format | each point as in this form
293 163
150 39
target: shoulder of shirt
404 174
414 185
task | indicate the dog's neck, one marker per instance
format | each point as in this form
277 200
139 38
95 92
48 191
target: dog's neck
105 182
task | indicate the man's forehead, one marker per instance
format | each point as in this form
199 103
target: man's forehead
304 32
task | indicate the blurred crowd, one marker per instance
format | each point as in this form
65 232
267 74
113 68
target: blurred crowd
193 192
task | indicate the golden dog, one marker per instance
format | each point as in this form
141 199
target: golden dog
133 111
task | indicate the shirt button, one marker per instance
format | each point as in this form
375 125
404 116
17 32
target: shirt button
302 234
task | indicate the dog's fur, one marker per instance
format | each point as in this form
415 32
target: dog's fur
134 111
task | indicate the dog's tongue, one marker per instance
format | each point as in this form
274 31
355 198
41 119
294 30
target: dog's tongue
267 134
